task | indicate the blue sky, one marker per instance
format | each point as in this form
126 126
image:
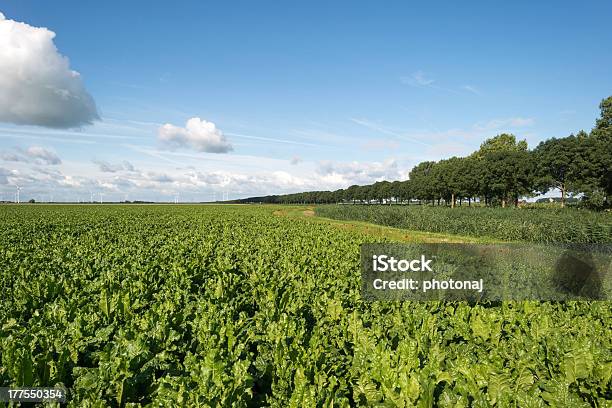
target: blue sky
307 95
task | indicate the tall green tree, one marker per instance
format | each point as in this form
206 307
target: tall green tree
454 168
601 151
446 178
421 177
470 181
503 142
397 191
350 194
558 165
407 190
509 175
494 161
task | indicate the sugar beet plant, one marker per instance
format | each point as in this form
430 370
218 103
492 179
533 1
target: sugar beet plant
221 306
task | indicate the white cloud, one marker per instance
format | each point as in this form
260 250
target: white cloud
286 180
4 173
343 174
210 178
507 123
74 181
37 86
70 181
12 157
42 155
33 154
107 167
197 134
159 177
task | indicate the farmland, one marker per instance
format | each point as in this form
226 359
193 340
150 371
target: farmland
530 224
246 306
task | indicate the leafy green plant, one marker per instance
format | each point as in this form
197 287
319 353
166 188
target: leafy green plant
233 306
529 224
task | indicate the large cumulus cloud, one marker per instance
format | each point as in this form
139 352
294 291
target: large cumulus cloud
37 86
197 134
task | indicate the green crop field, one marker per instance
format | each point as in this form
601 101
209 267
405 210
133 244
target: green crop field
240 306
524 224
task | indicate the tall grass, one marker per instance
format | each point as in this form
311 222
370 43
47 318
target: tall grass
509 224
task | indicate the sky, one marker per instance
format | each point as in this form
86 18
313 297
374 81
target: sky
196 101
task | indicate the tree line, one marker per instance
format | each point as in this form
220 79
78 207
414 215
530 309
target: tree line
499 173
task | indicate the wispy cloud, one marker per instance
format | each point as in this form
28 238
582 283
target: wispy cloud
33 154
417 78
566 114
45 138
64 133
471 89
506 123
380 144
321 135
152 153
420 79
128 85
107 167
273 140
378 128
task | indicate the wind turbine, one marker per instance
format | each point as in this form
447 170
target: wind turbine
18 190
101 194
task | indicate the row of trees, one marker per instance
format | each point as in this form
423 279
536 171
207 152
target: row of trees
501 172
